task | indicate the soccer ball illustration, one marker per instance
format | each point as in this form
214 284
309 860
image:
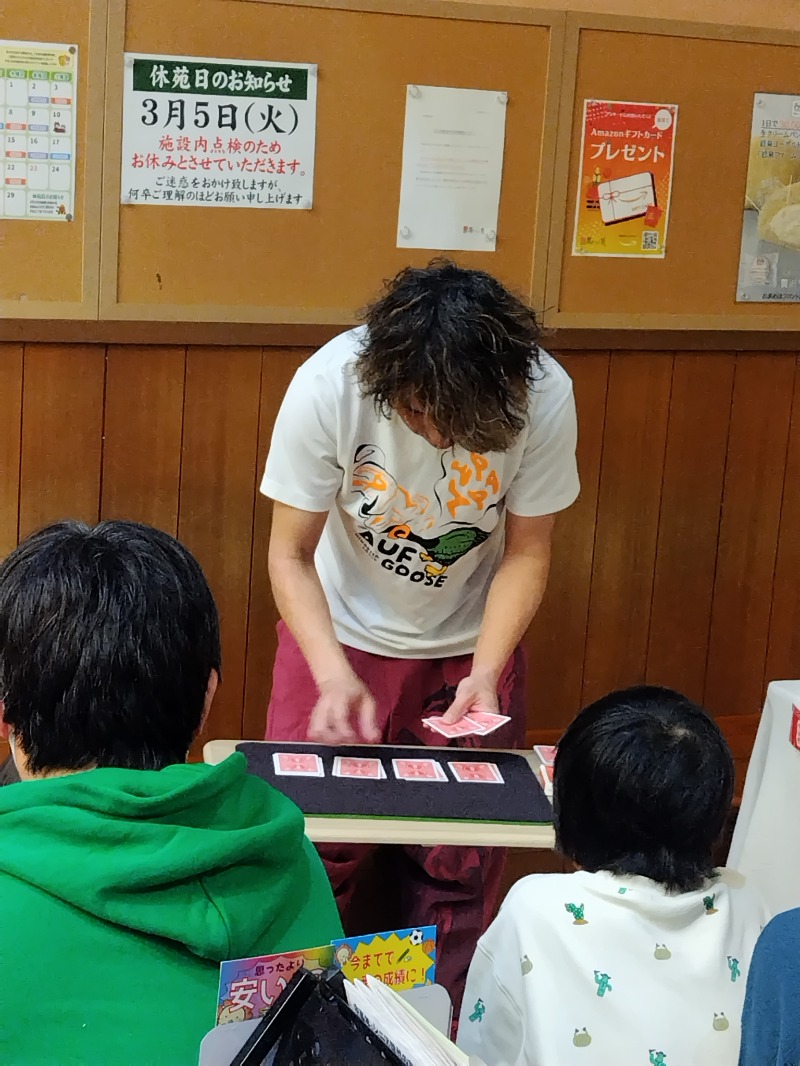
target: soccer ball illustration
417 937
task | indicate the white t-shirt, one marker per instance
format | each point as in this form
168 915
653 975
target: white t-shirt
597 970
414 534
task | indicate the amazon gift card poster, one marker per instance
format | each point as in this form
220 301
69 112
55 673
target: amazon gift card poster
625 182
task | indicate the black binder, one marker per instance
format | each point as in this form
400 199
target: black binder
311 1024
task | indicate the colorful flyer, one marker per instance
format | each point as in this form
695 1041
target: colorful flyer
625 180
218 133
403 958
38 83
249 987
769 261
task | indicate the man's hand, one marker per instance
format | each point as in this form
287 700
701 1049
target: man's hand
477 692
344 713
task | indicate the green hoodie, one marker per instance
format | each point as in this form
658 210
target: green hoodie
121 891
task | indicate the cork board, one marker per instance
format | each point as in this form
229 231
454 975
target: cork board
206 264
50 269
712 74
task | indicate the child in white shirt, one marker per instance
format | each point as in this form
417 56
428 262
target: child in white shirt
640 957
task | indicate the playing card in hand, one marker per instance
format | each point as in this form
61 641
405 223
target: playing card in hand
487 722
474 724
465 727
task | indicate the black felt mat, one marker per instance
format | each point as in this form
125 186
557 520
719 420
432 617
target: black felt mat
519 799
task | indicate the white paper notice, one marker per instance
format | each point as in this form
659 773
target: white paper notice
218 132
452 168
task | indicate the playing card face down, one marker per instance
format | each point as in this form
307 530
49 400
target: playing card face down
546 752
359 769
487 722
546 774
463 728
474 724
418 770
472 773
291 764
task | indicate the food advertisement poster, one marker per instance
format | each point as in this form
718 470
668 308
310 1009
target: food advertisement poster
769 263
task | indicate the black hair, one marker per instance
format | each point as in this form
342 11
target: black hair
459 344
642 784
108 636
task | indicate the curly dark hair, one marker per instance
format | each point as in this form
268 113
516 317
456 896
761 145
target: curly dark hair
457 343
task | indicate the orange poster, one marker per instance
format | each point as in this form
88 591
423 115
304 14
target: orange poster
625 181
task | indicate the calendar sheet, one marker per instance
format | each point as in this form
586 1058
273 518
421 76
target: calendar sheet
38 83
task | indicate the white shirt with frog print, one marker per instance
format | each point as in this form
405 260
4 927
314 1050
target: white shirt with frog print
591 969
414 534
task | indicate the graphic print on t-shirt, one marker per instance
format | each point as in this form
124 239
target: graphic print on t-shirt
439 531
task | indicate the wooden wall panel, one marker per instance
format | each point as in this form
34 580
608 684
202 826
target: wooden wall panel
672 63
62 434
627 521
663 570
51 267
278 367
143 431
11 397
754 480
557 640
783 652
366 61
691 498
215 517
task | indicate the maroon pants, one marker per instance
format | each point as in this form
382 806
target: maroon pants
453 888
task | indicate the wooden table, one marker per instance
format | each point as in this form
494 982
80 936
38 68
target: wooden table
351 829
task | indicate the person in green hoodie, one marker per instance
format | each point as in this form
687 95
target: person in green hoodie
126 874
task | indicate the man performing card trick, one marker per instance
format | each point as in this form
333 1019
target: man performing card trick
417 464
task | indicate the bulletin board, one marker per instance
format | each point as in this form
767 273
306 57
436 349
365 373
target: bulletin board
181 263
50 269
711 73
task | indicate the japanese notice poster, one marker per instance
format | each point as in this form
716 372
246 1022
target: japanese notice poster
249 987
769 262
625 180
38 83
452 168
218 133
